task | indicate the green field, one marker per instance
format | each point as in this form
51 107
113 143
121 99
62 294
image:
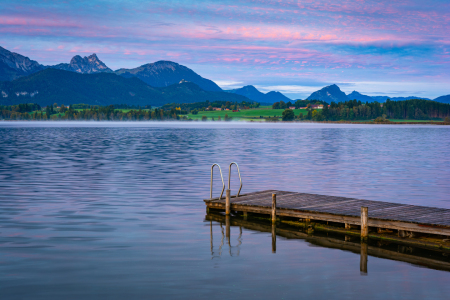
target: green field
245 114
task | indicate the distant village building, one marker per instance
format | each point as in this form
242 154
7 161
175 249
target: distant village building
291 107
320 106
217 108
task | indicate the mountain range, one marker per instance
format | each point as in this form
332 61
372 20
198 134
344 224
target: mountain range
185 85
333 93
14 66
164 73
158 74
252 93
102 88
84 65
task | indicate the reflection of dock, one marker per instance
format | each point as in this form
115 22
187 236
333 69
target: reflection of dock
417 225
389 250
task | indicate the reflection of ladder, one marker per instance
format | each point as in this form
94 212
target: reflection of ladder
230 248
229 179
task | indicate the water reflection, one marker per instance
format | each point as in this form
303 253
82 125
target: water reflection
433 259
363 262
232 250
112 211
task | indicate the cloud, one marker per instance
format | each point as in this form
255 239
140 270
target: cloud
224 84
266 42
288 89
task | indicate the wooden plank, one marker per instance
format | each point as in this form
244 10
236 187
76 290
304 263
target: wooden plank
339 208
389 224
254 198
242 195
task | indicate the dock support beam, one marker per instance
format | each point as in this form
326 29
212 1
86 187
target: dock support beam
227 228
363 261
274 238
245 215
274 208
227 203
364 223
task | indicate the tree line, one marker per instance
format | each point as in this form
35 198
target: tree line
207 105
416 109
94 113
297 104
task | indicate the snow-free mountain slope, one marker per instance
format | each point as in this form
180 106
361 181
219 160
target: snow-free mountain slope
252 93
329 94
164 73
14 65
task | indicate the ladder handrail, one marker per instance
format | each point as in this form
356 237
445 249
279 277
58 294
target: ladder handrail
229 177
221 176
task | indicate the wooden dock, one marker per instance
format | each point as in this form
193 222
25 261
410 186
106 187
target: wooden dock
405 220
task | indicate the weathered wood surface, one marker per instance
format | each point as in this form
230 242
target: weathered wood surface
342 210
364 222
274 208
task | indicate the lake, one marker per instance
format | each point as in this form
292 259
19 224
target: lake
115 210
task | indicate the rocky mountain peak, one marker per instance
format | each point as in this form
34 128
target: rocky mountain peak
164 73
88 65
76 59
19 65
328 94
84 65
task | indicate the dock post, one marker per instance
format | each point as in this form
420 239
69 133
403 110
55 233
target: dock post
274 238
364 223
363 261
274 208
211 234
227 203
227 228
245 215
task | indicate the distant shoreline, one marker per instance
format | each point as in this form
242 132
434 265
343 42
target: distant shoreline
236 121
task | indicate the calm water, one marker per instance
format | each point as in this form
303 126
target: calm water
115 211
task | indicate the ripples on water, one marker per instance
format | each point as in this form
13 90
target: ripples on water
115 210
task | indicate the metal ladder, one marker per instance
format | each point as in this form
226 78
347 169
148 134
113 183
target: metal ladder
229 179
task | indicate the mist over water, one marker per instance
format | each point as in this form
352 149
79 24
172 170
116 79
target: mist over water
115 210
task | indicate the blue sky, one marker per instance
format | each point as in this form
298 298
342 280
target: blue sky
396 48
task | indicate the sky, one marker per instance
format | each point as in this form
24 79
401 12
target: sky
382 47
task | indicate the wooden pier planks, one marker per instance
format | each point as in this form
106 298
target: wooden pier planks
340 209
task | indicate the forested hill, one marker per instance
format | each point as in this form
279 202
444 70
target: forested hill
189 92
165 73
408 109
64 87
